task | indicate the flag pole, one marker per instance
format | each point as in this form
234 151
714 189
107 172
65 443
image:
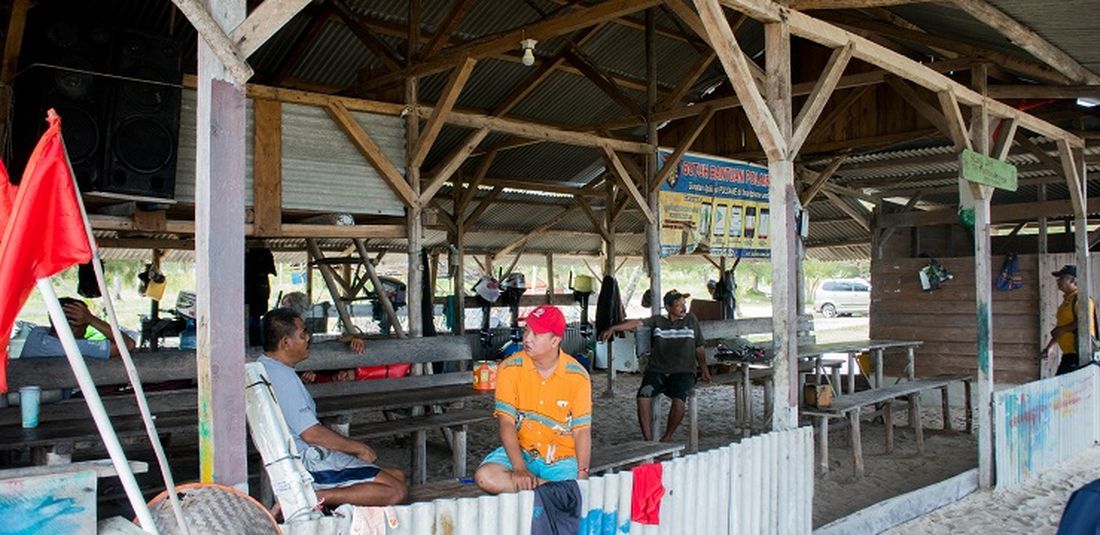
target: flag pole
95 406
127 359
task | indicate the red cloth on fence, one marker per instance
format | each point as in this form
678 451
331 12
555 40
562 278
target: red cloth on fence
45 232
645 501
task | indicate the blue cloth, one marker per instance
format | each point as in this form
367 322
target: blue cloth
1082 514
41 342
557 509
560 470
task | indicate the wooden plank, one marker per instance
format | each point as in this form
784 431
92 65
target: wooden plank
861 217
620 172
930 113
532 130
543 30
475 181
956 126
1073 182
218 42
829 35
815 103
264 21
354 23
672 163
1002 213
444 30
453 162
383 299
1042 92
371 151
1027 39
219 249
102 468
596 75
440 111
819 180
849 4
267 167
737 69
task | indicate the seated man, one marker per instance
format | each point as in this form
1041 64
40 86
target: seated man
677 351
343 469
543 411
43 341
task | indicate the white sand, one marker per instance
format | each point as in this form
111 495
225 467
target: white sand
1034 507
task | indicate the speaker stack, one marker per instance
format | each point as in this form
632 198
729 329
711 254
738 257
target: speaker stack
118 96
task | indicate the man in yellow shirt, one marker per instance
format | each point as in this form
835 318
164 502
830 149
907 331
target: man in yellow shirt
1065 333
543 410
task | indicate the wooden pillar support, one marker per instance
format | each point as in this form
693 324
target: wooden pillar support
983 276
219 250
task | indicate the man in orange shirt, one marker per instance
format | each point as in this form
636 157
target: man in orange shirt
543 410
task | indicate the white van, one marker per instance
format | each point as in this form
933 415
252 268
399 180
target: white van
842 296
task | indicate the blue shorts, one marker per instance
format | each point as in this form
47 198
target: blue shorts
559 470
335 469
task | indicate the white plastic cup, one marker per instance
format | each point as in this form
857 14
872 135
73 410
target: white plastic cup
29 397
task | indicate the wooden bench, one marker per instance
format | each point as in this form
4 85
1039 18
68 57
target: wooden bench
604 460
68 422
850 407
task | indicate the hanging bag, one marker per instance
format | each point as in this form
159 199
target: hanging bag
1010 278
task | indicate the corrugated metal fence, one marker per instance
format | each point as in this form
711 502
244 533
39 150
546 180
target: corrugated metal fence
1039 424
761 485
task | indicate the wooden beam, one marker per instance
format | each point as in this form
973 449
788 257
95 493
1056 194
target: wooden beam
930 113
383 299
597 76
1077 194
737 69
441 110
370 150
1031 68
215 37
596 223
532 130
822 177
821 32
447 27
1002 213
853 4
1006 132
1027 39
13 43
267 167
362 32
448 167
543 30
620 172
670 165
862 218
685 84
264 21
815 104
481 207
1005 92
1049 161
955 124
475 181
536 231
842 107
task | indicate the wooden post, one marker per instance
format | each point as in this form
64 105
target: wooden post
550 278
653 228
1046 321
414 220
459 270
309 276
783 200
609 271
983 278
219 264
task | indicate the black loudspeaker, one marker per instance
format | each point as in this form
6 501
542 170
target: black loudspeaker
143 127
61 71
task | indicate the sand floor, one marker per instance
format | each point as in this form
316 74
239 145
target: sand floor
836 495
1033 507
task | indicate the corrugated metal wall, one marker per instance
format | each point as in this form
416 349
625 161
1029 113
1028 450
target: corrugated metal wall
322 169
761 485
1040 424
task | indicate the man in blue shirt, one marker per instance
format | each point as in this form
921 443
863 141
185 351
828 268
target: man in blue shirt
43 341
343 470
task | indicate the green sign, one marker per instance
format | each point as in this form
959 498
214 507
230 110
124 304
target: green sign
982 169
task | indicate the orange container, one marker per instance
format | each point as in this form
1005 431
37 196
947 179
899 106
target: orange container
485 375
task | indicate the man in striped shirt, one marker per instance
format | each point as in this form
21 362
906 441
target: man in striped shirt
677 350
543 410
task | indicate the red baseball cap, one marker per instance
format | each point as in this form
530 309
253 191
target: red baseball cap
546 319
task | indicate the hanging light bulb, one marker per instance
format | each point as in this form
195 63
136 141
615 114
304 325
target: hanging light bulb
528 51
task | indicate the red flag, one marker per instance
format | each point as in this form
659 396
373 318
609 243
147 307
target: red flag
45 231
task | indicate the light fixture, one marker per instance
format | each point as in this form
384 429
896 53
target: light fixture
528 51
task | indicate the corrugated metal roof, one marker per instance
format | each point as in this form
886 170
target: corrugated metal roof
1071 25
572 100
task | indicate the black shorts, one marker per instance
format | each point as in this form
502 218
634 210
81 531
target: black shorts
673 385
1067 364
